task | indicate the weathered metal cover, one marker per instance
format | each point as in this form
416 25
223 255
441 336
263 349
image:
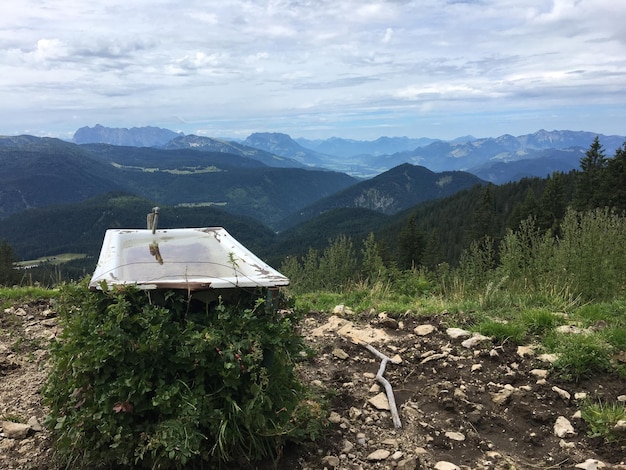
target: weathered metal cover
186 258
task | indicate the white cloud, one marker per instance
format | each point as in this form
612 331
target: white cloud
262 62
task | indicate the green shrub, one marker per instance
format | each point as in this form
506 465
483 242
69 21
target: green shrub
601 418
501 331
138 384
580 355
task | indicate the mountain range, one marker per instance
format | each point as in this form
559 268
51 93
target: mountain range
279 182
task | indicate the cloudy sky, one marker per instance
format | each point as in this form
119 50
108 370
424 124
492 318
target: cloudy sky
314 68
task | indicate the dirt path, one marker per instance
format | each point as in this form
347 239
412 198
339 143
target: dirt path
463 402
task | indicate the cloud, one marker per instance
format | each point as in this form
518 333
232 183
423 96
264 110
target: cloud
264 62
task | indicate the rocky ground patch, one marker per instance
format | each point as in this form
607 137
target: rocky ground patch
463 401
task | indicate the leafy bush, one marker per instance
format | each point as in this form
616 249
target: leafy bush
145 384
580 355
601 418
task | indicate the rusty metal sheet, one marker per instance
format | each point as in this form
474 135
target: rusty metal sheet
185 258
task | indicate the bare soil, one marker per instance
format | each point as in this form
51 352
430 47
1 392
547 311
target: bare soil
472 406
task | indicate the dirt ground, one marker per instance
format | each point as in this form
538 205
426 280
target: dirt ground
463 402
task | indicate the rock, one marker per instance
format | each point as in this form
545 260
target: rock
621 398
476 367
340 354
591 464
550 358
524 351
334 417
455 436
407 464
390 441
563 428
501 397
360 438
475 340
389 323
620 426
443 465
347 447
13 430
424 330
397 455
564 394
380 402
380 454
342 310
456 333
331 461
34 424
434 357
539 373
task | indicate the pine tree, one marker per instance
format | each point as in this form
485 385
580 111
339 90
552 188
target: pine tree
7 266
410 245
552 204
616 179
590 183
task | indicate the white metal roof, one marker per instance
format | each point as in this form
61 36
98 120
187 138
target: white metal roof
187 258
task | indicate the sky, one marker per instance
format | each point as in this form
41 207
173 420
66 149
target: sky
355 69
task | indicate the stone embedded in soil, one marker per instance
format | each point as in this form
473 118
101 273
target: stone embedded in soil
331 461
380 454
340 354
564 394
475 340
424 330
563 428
591 464
443 465
34 424
334 417
524 351
456 333
13 430
455 436
380 402
539 373
501 397
620 426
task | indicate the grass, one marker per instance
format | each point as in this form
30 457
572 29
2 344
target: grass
52 260
10 295
601 418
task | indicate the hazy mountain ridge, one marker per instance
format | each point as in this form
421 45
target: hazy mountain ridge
135 137
47 171
207 144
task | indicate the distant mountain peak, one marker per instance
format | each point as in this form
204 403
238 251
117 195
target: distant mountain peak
148 136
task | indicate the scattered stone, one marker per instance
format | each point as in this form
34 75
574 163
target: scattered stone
550 358
501 397
493 354
620 426
539 373
369 375
455 436
380 402
591 464
347 447
563 428
476 367
622 398
13 430
564 394
340 354
34 424
389 323
475 340
397 455
342 310
443 465
456 333
407 464
380 454
334 417
524 351
424 330
360 438
331 461
390 441
434 357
